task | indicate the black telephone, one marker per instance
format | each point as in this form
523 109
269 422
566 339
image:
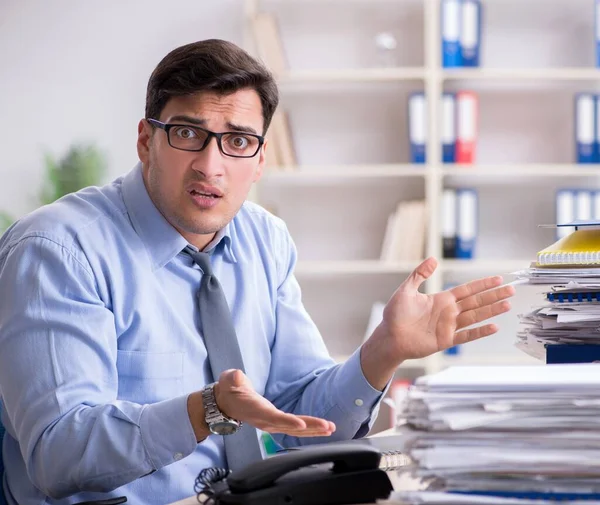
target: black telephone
314 475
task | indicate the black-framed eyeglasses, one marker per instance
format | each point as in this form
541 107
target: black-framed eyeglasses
194 138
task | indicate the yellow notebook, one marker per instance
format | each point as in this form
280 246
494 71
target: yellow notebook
582 247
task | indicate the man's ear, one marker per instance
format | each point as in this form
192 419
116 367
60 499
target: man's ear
143 140
261 161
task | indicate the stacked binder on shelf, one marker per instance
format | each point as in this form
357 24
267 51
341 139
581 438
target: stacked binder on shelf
503 435
587 129
459 222
459 124
579 204
565 327
461 33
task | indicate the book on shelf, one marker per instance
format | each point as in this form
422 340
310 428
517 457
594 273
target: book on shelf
269 45
585 128
467 227
281 142
405 232
448 129
417 126
466 130
459 222
470 33
575 204
459 125
461 33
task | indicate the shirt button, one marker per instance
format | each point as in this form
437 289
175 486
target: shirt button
358 402
177 456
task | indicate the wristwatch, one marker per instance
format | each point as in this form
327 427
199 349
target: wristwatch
218 423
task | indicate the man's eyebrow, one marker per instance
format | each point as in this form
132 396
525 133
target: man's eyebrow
240 128
188 119
202 122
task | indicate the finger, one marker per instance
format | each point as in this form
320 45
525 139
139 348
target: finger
314 427
420 275
298 433
318 423
278 419
476 286
464 336
481 314
486 298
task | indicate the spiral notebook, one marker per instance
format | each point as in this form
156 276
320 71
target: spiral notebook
390 446
579 248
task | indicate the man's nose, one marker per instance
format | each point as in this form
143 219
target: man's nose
210 161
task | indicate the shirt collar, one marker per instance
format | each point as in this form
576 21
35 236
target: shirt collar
161 240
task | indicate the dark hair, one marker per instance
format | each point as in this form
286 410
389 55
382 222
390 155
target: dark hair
210 65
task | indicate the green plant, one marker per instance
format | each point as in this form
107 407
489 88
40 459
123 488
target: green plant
83 165
5 221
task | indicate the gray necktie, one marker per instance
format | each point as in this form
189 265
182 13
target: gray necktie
241 448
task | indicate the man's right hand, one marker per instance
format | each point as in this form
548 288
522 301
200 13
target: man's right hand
237 399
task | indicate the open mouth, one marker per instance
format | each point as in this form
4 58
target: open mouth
193 192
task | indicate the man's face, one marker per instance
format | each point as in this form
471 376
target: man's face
178 182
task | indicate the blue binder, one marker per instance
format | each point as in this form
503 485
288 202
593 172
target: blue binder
449 118
585 127
466 235
450 24
572 353
597 128
573 297
417 126
470 33
565 211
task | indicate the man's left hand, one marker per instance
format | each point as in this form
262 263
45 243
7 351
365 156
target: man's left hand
416 325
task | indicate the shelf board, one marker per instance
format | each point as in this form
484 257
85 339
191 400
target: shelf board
542 74
352 75
352 267
306 173
325 268
541 170
498 267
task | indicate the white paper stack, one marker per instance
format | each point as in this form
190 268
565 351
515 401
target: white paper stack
569 312
504 433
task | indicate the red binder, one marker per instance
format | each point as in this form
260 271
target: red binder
466 135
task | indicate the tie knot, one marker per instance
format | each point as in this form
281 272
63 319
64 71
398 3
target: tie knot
201 259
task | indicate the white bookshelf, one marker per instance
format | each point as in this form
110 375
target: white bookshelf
349 120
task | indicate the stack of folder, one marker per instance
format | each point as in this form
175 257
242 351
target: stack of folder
503 434
565 327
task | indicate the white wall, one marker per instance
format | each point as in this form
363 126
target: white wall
73 70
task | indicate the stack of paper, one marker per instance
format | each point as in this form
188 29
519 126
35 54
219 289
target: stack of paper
504 432
569 279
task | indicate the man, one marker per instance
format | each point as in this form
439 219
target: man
104 372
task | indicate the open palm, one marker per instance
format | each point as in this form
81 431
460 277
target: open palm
420 324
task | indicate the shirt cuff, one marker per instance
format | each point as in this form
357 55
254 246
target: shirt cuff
167 432
354 395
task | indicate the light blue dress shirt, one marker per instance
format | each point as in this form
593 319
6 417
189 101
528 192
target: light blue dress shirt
100 346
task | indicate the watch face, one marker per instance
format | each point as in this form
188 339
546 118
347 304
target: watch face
224 427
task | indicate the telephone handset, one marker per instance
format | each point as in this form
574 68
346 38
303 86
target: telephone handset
314 475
